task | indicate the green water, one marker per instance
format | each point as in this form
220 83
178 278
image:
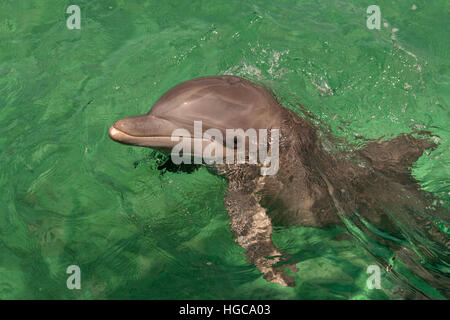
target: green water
71 196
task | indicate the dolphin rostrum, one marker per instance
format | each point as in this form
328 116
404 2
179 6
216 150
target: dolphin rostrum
315 185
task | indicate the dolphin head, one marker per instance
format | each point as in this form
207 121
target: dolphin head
219 102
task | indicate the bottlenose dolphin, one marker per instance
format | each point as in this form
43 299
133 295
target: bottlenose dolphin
316 184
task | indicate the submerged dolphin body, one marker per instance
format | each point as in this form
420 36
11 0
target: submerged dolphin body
316 184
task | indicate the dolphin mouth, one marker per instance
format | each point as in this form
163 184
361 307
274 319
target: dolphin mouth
143 141
144 131
163 143
158 133
157 142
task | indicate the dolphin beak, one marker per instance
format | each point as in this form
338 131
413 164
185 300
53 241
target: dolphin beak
154 132
144 131
117 135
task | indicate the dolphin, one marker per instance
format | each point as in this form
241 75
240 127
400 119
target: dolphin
317 184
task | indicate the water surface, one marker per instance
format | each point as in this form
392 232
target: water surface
70 195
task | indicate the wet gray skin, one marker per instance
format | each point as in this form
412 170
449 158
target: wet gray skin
316 184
